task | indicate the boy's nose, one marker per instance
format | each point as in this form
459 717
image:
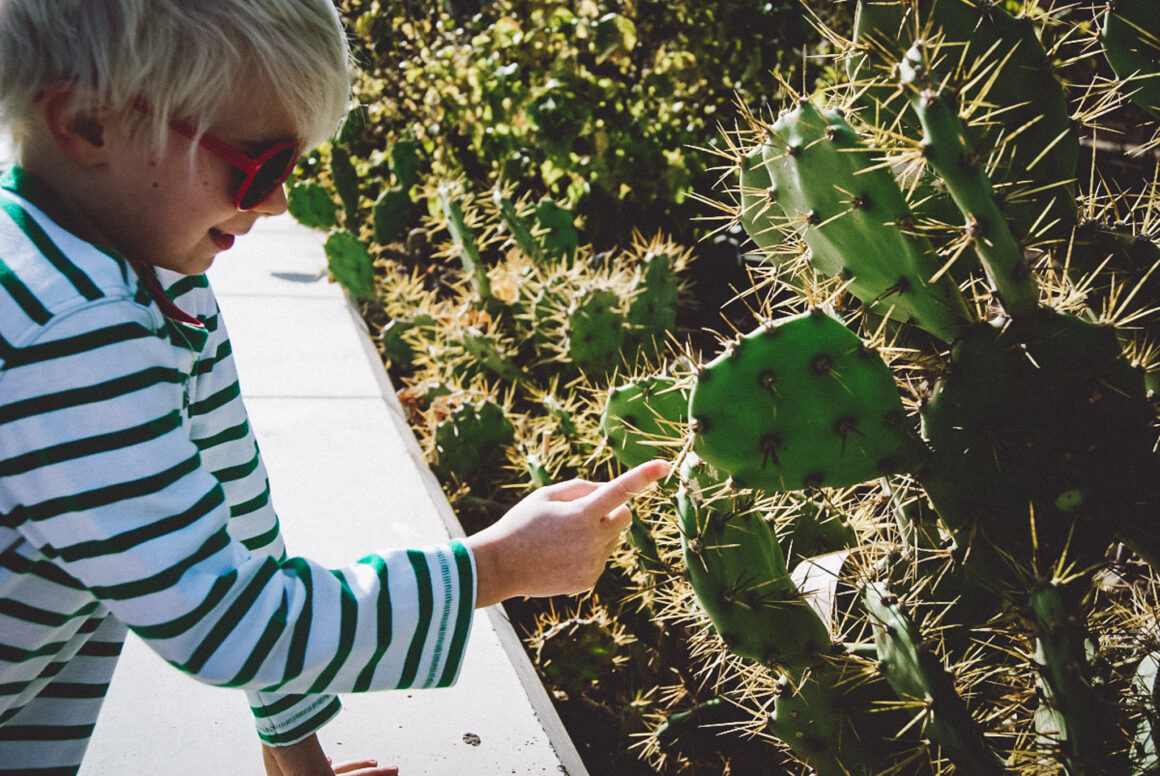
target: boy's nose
275 204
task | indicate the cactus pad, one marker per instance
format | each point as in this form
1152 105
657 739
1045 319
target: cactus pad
1038 417
799 404
946 150
814 718
760 214
1072 718
471 440
576 652
346 183
491 354
653 311
311 205
854 215
389 215
350 264
640 414
1131 41
738 571
1033 148
916 675
595 331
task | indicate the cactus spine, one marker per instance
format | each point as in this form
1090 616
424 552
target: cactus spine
938 190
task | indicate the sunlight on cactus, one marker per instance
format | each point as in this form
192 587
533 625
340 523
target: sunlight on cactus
969 623
910 525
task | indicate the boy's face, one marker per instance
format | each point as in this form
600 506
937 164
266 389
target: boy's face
174 210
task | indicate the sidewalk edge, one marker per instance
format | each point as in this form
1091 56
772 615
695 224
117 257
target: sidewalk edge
542 704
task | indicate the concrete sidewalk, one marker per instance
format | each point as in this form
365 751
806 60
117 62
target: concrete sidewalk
347 477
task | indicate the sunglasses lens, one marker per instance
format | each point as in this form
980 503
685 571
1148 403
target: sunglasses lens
268 177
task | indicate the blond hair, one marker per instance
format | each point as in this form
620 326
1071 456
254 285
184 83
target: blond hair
184 59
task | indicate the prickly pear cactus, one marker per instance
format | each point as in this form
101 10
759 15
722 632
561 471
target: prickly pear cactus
652 314
595 330
1130 38
576 652
1035 476
801 403
912 532
990 61
641 416
311 205
389 214
351 264
736 566
471 440
827 180
955 357
346 183
918 676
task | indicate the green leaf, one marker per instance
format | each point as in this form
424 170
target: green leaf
346 181
390 215
350 264
405 162
312 206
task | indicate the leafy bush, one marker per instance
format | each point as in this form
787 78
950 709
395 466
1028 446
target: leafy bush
598 105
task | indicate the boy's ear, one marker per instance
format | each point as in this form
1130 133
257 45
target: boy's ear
77 131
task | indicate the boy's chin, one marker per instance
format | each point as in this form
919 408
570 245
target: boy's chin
188 265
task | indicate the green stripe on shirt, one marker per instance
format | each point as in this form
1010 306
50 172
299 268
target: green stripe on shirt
93 445
265 643
21 611
127 540
22 296
463 617
71 346
227 622
110 494
79 280
167 578
217 400
299 641
348 624
177 626
426 606
90 394
384 625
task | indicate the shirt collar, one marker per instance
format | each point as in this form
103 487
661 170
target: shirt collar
18 181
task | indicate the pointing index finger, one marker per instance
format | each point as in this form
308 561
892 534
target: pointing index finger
617 491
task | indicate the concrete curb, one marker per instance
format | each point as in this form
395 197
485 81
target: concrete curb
538 696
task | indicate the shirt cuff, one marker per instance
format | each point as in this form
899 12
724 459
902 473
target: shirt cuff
282 720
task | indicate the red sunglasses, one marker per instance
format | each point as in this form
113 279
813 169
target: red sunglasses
261 175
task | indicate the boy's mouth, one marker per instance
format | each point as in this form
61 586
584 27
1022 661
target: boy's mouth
221 240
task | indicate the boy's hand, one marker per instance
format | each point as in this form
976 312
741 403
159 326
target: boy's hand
306 758
558 539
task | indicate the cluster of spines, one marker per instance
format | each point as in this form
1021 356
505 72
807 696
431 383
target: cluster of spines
1009 185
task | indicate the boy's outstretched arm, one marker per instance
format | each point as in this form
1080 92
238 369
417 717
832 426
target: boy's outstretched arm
555 541
558 539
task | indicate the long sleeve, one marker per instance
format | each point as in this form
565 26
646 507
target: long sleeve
115 493
103 480
219 426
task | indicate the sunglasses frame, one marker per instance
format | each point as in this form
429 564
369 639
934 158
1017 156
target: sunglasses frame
236 157
250 165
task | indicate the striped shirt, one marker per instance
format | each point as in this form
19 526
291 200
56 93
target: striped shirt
132 494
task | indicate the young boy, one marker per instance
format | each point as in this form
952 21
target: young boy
149 135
